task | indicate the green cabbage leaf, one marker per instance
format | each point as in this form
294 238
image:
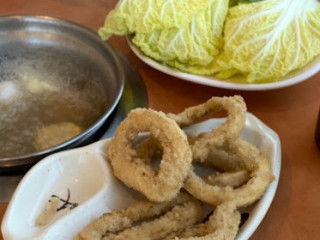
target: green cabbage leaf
192 48
235 2
132 16
266 40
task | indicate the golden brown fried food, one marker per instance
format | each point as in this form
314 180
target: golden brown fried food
221 160
230 129
260 178
222 225
241 175
229 169
179 217
172 216
165 183
232 179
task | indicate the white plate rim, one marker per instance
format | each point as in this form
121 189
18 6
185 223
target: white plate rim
311 69
263 205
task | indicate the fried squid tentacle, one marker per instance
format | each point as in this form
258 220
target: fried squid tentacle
223 224
178 218
180 212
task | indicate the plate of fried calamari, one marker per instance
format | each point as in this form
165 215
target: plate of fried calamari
163 176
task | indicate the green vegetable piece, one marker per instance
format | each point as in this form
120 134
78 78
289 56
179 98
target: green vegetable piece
267 40
236 2
142 16
192 48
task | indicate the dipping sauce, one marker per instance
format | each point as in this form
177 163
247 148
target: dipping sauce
46 87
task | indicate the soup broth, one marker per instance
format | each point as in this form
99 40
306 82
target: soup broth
38 93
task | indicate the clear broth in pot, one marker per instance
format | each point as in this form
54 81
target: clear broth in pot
43 87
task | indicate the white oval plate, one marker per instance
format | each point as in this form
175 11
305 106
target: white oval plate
86 172
292 78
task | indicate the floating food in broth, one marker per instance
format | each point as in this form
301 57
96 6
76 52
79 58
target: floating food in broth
55 134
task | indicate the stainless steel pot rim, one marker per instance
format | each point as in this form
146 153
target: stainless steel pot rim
26 159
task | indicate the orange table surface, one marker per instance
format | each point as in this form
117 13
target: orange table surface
291 112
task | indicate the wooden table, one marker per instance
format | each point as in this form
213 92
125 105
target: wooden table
291 112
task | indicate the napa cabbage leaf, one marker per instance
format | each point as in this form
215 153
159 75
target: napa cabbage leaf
235 2
132 16
192 48
266 40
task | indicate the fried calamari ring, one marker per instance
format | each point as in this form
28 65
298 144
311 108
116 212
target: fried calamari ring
230 129
231 179
157 185
221 160
233 172
230 171
260 177
181 212
223 224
